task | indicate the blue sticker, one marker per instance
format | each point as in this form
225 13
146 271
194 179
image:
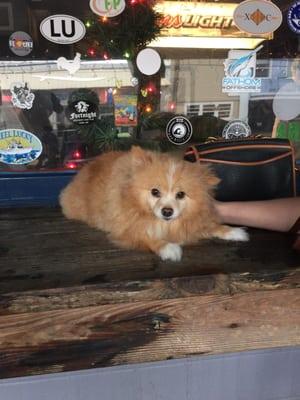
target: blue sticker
19 147
293 17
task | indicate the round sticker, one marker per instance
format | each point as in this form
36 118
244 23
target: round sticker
21 95
107 8
148 61
19 147
286 103
293 17
82 112
179 130
236 129
62 29
257 17
20 43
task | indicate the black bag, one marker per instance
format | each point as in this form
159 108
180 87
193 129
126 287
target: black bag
249 169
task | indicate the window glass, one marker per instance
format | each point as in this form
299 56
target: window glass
79 101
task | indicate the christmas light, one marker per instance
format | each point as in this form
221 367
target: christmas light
172 106
88 24
126 54
91 52
104 19
148 108
71 165
77 154
105 56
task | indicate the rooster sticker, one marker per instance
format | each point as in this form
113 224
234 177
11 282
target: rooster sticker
72 66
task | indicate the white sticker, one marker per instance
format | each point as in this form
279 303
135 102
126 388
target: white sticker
236 129
21 95
19 147
240 68
107 8
148 61
257 17
62 29
72 66
286 103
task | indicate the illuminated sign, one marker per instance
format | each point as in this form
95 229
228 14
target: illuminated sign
184 23
182 18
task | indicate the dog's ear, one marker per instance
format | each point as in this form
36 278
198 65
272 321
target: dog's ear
209 176
140 157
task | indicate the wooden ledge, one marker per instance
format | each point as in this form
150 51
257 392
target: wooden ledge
70 300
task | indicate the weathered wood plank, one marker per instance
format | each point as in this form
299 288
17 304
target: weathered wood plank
39 249
135 332
145 290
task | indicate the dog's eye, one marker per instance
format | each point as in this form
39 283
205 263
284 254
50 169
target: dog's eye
180 195
155 192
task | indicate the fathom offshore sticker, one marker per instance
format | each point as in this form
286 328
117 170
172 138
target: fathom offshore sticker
240 68
19 147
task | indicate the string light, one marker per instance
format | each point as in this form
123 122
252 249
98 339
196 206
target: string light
126 54
105 56
104 19
88 24
148 108
91 52
71 165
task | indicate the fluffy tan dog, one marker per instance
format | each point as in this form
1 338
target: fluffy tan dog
147 200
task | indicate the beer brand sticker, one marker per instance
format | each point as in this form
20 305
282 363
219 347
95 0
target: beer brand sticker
19 147
62 29
20 43
240 68
293 17
82 112
107 8
21 95
257 17
236 129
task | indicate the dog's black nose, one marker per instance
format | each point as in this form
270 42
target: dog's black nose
167 212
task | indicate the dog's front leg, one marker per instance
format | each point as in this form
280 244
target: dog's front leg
166 250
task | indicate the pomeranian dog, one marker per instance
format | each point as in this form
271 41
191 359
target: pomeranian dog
147 200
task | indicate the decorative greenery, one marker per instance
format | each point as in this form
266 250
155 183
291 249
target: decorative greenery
124 35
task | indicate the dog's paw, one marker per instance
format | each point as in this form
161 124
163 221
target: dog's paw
171 251
237 234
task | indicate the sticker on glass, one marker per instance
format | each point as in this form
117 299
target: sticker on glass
148 61
107 8
21 95
72 66
179 130
62 29
293 17
19 147
236 129
82 112
257 17
239 69
20 43
286 103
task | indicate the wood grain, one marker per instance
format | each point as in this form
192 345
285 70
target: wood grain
117 334
42 250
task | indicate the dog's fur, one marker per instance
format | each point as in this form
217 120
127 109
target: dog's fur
113 193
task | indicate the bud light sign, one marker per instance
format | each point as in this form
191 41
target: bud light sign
62 29
107 8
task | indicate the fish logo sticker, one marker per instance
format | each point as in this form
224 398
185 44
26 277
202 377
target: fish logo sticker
19 147
239 69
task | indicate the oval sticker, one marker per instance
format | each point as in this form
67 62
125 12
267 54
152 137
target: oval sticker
19 147
257 17
107 8
62 29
